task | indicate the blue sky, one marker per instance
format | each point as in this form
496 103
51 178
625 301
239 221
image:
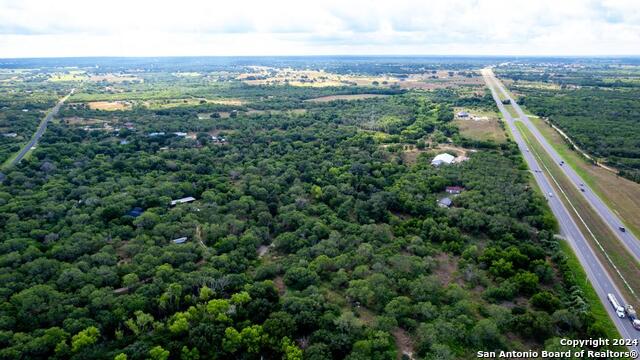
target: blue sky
34 28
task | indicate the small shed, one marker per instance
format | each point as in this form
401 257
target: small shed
184 200
180 240
444 202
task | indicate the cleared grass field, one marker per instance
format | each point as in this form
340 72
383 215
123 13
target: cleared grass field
172 103
620 194
345 97
482 130
617 253
109 105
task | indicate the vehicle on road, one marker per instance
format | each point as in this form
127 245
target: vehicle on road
633 317
582 189
550 194
616 305
622 228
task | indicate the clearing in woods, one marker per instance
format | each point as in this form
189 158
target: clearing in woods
345 97
109 105
171 103
482 130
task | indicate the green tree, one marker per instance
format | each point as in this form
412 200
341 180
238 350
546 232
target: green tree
186 354
232 340
158 353
291 351
84 338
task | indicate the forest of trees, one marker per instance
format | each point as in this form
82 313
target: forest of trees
310 236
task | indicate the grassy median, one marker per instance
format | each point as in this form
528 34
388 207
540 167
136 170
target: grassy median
618 254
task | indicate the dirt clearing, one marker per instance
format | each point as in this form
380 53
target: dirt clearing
482 128
403 343
110 105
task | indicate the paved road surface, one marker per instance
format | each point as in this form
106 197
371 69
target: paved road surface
626 237
600 279
41 128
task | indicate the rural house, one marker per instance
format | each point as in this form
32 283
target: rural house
454 189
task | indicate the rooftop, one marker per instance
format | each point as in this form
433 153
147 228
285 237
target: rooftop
180 240
444 202
442 158
183 200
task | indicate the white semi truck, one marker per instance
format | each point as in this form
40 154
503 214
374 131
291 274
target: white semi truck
616 305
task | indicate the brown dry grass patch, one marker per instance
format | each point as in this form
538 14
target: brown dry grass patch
482 130
109 105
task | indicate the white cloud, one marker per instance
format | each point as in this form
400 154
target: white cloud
286 27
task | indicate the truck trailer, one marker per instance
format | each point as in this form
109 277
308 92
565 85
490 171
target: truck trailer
616 305
633 317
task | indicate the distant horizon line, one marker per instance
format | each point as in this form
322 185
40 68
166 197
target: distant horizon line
611 56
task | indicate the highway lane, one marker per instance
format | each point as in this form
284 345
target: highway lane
597 274
41 128
628 239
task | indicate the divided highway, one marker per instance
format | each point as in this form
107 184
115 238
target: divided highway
626 237
41 128
597 274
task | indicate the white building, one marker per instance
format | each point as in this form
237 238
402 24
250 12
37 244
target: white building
444 158
182 201
444 202
181 240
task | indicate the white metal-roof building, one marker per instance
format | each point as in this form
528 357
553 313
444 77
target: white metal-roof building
442 159
182 201
181 240
444 202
